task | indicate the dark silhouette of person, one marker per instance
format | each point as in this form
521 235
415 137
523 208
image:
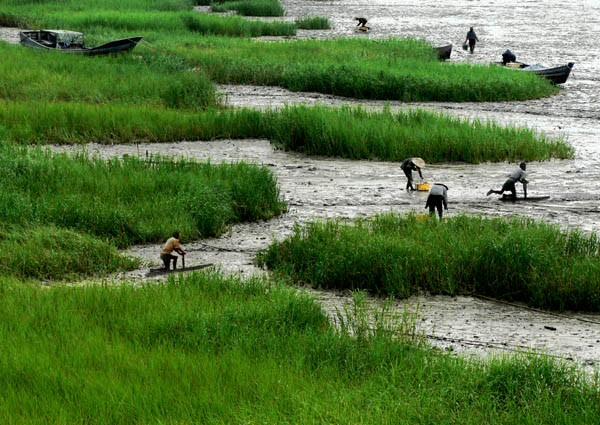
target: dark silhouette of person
408 166
438 195
361 22
508 57
509 185
471 39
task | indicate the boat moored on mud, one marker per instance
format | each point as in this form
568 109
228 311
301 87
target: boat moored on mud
73 42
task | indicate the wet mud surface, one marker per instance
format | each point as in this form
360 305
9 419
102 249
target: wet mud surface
318 188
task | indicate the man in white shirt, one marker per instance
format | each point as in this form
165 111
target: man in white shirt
438 195
509 185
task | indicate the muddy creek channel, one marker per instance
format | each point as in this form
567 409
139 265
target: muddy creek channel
542 31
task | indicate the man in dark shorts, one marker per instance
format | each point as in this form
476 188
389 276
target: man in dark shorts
361 22
166 255
408 166
438 196
509 185
471 39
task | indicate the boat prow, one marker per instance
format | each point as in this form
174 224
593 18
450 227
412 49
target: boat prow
72 42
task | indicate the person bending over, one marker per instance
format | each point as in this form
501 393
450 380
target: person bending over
361 22
171 245
509 185
408 166
471 39
438 196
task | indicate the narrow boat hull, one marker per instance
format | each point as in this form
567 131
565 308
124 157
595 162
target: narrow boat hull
32 39
444 52
556 75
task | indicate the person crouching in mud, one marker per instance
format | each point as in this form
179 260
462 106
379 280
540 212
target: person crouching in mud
509 185
166 255
408 166
361 22
438 195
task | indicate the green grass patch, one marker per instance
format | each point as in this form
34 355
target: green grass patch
250 7
313 23
210 350
345 132
514 260
62 216
234 26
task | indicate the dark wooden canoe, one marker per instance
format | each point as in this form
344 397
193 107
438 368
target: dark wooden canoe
520 199
72 42
556 75
444 52
162 271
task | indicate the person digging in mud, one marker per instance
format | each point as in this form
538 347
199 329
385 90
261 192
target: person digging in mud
509 185
471 39
408 166
362 22
438 195
171 245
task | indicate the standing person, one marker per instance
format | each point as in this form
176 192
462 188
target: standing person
509 185
361 22
408 166
471 39
171 245
438 195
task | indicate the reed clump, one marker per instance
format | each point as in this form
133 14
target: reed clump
313 23
346 132
64 215
508 259
250 7
212 350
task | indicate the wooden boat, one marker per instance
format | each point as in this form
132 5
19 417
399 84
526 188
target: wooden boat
444 52
72 42
556 75
520 199
363 29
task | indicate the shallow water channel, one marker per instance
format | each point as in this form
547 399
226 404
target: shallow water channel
550 32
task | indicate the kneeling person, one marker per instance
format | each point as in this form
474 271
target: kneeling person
171 245
438 196
509 185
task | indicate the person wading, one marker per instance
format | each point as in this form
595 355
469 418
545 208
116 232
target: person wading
438 196
171 245
471 39
408 166
509 185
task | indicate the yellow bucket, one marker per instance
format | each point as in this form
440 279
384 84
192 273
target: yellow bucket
423 187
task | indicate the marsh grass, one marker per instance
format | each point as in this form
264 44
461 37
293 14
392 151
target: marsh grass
313 23
508 259
234 26
250 7
346 132
213 350
63 216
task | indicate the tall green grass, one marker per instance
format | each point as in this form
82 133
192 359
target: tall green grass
31 74
345 132
62 217
313 23
514 259
235 26
210 350
250 7
132 200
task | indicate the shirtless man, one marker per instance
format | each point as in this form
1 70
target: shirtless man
166 255
361 22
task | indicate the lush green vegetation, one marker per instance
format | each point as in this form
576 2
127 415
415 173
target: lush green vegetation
515 259
350 133
313 23
234 26
46 198
250 7
204 349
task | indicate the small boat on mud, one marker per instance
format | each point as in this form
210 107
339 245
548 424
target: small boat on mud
444 52
556 75
72 42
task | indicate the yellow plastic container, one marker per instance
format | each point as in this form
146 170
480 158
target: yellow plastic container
423 187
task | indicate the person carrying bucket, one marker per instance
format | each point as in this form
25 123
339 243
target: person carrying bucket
471 39
408 166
